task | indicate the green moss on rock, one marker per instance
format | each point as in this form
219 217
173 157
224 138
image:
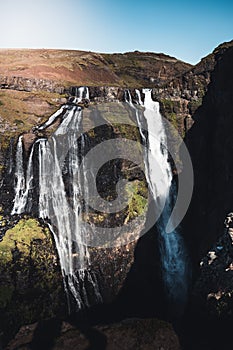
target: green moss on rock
21 236
31 284
138 203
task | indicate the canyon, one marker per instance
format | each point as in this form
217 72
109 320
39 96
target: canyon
196 100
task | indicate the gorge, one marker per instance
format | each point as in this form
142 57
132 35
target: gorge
61 204
46 181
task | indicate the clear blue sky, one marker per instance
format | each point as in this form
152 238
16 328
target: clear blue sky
188 30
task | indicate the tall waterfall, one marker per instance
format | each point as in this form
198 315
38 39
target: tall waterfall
19 177
62 190
24 185
159 177
60 204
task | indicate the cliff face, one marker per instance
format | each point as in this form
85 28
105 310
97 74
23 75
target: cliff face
34 83
20 265
182 95
210 144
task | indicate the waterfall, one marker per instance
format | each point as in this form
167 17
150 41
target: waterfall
81 93
60 204
159 177
23 196
139 97
63 189
19 178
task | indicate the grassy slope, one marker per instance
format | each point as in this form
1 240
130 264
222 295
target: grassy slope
88 68
145 69
63 66
19 110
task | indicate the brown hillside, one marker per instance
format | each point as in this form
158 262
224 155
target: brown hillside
69 67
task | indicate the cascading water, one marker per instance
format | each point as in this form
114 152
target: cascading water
19 177
24 185
159 177
60 204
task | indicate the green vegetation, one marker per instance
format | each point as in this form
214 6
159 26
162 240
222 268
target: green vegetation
168 104
137 191
169 110
31 283
20 236
173 120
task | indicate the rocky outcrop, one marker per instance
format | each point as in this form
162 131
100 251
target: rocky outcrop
210 311
214 287
182 95
30 84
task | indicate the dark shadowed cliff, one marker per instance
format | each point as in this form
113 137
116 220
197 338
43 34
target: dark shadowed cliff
210 143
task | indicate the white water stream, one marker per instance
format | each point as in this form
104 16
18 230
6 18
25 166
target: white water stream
159 177
62 210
